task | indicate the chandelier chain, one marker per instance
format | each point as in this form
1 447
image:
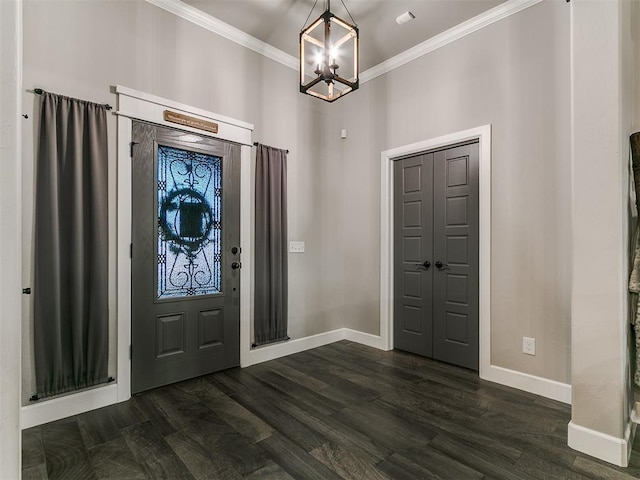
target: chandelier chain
350 16
327 7
308 16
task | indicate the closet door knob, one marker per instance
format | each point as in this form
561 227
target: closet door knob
426 264
441 266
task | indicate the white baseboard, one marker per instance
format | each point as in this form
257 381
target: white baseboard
600 445
529 383
271 352
46 411
368 339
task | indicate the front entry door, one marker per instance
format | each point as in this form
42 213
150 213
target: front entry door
185 256
436 255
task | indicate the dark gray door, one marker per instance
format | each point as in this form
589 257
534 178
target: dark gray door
455 246
185 276
446 309
413 274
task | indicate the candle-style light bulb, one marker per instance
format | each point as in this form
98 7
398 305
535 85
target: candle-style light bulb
318 61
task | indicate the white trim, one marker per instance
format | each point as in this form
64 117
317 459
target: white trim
143 106
166 103
123 261
484 235
483 134
64 406
448 36
600 445
386 251
211 23
246 234
225 30
529 383
367 339
271 352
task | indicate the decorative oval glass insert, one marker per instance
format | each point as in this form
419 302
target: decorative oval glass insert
189 223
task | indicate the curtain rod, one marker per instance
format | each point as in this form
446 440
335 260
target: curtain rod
255 144
39 91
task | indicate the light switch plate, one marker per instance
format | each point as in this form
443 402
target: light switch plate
296 247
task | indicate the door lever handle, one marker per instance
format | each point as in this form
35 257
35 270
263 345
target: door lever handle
441 266
426 264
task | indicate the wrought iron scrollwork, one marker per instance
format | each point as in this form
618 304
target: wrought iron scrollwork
189 223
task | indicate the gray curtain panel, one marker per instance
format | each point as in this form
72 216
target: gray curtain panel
270 312
71 330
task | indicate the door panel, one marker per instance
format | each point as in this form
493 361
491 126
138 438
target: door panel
185 295
413 206
170 335
436 220
211 328
455 334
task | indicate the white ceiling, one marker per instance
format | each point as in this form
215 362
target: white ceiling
278 22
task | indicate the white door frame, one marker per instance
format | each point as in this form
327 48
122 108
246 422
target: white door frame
135 105
483 135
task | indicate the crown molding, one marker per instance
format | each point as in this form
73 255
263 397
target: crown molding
225 30
229 32
448 36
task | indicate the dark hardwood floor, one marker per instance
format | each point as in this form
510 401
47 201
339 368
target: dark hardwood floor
339 411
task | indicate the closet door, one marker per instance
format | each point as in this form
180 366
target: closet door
455 254
413 273
436 255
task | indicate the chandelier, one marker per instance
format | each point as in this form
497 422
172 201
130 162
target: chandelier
329 63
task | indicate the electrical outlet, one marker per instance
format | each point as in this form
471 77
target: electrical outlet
529 345
296 247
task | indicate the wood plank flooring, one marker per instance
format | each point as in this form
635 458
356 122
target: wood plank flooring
343 411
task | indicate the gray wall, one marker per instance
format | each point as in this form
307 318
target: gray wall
80 49
514 75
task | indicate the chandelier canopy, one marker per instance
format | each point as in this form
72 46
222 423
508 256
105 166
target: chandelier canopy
329 60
